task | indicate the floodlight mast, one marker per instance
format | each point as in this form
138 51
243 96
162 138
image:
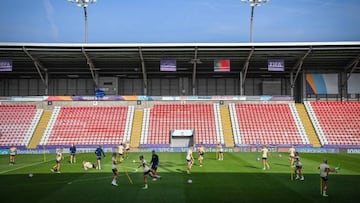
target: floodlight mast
253 4
84 4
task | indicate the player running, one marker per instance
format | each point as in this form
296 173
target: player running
72 154
12 154
201 152
114 170
265 154
154 163
292 155
189 159
324 173
147 171
59 157
220 151
298 167
99 152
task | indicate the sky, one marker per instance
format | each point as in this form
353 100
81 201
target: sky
179 21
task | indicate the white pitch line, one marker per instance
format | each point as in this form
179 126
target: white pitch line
28 165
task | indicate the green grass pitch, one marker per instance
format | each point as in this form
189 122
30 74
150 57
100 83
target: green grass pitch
238 178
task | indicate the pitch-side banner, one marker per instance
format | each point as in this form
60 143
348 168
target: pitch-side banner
5 65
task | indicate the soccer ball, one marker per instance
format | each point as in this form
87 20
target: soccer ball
30 175
258 159
189 181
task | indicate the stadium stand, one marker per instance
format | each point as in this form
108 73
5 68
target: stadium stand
89 126
257 124
162 118
336 122
17 124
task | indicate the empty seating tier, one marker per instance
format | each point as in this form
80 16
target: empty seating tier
88 126
267 124
339 121
167 117
15 122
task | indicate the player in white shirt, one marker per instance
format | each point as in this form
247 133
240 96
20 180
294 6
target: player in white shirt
147 171
121 151
189 159
220 151
298 167
59 157
292 155
324 172
265 154
127 149
87 165
12 154
114 170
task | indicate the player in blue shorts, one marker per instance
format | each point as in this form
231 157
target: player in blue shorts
147 171
99 154
154 163
72 154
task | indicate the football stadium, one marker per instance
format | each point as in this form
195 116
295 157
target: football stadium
180 122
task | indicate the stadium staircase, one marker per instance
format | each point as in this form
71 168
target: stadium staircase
136 128
309 128
226 124
40 129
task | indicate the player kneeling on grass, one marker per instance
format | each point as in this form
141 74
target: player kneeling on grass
87 165
147 171
114 169
59 157
324 172
298 167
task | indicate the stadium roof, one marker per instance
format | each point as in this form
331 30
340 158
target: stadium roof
139 60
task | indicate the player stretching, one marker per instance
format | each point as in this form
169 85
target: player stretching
99 151
154 163
189 159
87 165
59 157
72 154
220 151
265 153
12 153
147 171
298 167
201 154
324 172
292 155
114 170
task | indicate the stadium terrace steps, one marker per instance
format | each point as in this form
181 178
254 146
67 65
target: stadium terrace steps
309 128
40 129
226 124
17 123
136 128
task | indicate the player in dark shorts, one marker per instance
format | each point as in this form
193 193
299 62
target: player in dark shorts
147 171
72 154
99 154
154 163
114 169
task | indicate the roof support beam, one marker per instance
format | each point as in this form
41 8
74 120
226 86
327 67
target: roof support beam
143 68
39 67
298 67
91 67
353 66
245 70
194 61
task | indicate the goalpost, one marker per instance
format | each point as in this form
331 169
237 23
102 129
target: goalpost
182 138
